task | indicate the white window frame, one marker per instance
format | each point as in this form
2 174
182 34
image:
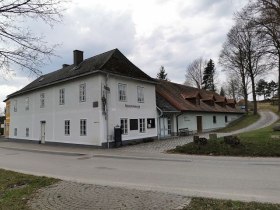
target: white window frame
27 132
67 127
169 128
42 100
83 127
122 92
15 105
27 103
61 96
142 125
140 94
124 125
82 92
15 131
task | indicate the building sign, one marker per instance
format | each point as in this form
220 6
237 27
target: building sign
132 106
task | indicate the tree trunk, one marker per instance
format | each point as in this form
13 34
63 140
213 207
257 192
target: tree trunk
278 82
254 95
246 102
245 93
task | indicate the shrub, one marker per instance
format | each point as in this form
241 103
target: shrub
232 140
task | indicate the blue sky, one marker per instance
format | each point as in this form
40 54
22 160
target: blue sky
150 33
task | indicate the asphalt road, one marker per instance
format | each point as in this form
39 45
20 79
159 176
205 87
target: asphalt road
249 179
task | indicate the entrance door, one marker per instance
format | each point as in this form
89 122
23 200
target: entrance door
165 127
43 134
199 123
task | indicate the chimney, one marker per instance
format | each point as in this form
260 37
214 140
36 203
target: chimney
78 57
65 65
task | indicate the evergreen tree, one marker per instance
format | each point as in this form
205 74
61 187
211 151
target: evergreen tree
273 86
261 88
222 92
208 77
161 74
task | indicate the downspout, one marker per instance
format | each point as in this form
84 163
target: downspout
177 123
106 110
161 113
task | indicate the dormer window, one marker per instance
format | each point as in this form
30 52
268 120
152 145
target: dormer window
192 97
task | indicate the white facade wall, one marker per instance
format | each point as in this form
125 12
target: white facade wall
189 120
131 108
55 114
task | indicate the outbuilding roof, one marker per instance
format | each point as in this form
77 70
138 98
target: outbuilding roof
175 95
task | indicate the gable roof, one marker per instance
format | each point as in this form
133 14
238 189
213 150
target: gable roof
173 93
112 62
164 105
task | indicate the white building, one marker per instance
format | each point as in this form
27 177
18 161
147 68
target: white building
82 103
182 107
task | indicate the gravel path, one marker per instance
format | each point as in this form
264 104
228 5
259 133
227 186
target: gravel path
75 196
267 118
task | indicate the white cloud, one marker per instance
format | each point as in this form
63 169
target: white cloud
149 32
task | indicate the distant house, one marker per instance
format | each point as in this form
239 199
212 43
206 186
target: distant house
2 125
180 106
84 102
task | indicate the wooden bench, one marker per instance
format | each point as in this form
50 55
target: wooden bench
185 132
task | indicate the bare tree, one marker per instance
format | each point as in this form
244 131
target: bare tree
194 73
233 87
20 48
252 53
254 56
233 59
265 15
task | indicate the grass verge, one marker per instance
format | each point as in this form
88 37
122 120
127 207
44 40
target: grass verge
257 143
245 121
16 188
216 204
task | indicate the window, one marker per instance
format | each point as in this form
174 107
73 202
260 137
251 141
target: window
140 94
214 120
151 122
142 125
15 132
124 125
61 96
169 126
15 106
27 132
83 127
27 104
226 119
82 92
122 92
133 124
67 127
42 100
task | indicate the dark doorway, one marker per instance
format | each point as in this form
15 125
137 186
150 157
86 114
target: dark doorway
199 123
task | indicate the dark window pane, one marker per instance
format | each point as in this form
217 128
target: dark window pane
133 124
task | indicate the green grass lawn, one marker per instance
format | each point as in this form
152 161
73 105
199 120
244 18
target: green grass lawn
255 143
216 204
16 188
268 106
245 121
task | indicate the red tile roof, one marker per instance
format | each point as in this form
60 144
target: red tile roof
178 96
